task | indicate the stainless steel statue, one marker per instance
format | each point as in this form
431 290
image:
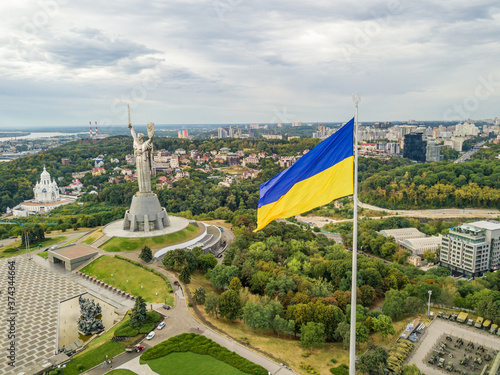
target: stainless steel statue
143 159
145 213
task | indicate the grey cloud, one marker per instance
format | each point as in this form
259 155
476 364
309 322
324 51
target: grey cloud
91 47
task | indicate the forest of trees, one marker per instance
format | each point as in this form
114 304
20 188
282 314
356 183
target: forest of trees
296 278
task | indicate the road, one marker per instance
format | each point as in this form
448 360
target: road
469 153
443 213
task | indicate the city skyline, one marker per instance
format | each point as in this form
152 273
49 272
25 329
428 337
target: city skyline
223 62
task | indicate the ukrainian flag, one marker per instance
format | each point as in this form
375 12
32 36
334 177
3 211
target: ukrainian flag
323 174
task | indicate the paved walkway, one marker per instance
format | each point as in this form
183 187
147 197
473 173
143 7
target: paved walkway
36 300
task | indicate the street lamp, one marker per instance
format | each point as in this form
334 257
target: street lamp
429 306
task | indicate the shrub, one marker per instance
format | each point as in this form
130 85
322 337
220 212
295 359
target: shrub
334 360
341 370
80 367
146 327
126 330
202 345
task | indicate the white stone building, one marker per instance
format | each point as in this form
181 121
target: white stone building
46 190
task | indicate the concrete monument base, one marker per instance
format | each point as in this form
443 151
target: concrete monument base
115 229
145 214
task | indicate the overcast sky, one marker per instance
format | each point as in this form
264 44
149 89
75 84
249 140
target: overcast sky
65 62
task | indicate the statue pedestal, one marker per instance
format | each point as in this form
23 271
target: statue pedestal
145 214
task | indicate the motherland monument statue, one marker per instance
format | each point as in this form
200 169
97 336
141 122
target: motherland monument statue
145 213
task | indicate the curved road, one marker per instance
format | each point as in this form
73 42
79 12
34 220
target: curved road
444 213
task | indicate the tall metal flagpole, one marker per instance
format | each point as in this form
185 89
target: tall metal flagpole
352 344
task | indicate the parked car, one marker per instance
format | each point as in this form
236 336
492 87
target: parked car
161 325
166 307
150 335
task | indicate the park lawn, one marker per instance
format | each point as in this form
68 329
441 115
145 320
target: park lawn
121 372
49 241
43 254
129 278
117 244
188 363
93 357
94 236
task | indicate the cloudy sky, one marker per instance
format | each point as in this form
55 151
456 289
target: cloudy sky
65 62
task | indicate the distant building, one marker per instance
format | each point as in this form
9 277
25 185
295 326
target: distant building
415 147
414 260
65 161
433 151
466 129
402 233
183 134
418 246
46 190
47 197
222 133
472 249
272 136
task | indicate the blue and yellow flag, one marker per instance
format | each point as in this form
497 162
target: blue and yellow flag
323 174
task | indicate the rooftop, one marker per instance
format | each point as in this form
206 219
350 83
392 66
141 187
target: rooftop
486 224
75 251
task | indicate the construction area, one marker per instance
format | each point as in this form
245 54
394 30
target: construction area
453 347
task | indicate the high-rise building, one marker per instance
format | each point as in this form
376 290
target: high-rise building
472 249
433 151
415 147
222 133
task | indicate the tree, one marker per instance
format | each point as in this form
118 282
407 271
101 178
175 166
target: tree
383 324
206 262
235 284
199 296
373 362
230 305
212 304
138 315
146 254
394 304
489 307
312 335
221 275
185 275
255 316
430 256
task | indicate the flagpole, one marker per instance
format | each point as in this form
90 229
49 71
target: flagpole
352 344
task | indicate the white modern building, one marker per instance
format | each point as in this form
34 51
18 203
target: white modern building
472 249
402 233
418 246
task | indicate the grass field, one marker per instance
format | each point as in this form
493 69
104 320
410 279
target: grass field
129 278
116 244
93 357
188 363
93 237
121 372
43 254
10 251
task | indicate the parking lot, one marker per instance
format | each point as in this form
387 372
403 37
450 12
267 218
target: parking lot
437 332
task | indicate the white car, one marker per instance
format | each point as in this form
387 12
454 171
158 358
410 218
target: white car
150 335
161 325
